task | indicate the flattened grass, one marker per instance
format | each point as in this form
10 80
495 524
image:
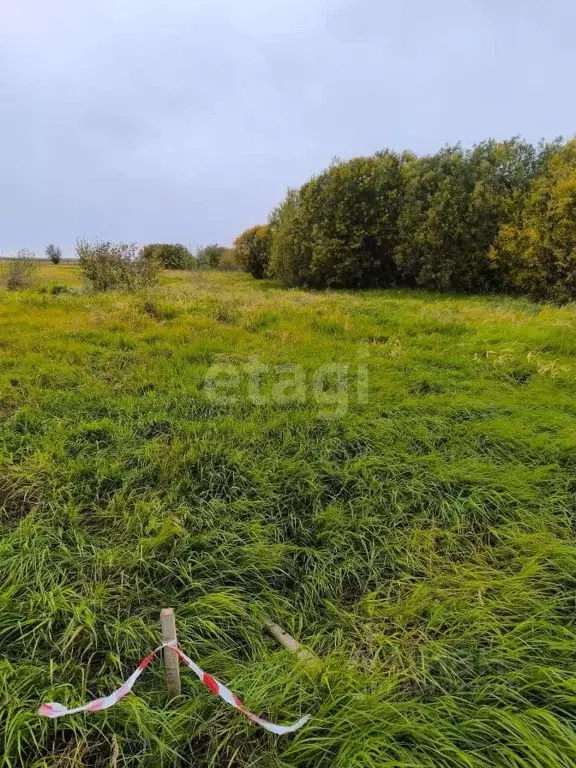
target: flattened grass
422 543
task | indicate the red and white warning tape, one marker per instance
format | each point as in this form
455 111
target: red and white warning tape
54 709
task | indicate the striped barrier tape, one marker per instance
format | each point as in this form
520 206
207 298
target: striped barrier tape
54 709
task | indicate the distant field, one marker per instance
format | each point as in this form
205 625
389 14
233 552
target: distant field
389 475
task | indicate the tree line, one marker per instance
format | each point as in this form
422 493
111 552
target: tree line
107 265
499 217
169 255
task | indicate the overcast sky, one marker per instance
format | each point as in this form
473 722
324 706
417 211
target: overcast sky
185 120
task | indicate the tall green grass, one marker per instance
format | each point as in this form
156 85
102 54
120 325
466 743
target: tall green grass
422 544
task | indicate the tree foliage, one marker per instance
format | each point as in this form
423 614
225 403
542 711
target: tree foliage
116 266
209 256
453 204
170 255
289 252
228 261
340 229
536 252
494 217
54 253
20 273
252 250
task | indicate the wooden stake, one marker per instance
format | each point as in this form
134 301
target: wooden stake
171 661
283 637
289 642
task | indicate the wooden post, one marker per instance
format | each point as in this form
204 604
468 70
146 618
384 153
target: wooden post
171 661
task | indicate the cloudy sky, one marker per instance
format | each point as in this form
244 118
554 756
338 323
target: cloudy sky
185 120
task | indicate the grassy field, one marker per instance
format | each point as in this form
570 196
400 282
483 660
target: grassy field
407 513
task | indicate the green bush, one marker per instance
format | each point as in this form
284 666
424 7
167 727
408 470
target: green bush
228 261
535 253
290 246
170 255
116 266
340 229
20 273
54 253
476 220
252 249
56 290
453 204
209 256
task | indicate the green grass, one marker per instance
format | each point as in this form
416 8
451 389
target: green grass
421 543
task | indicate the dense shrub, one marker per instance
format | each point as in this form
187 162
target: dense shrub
340 229
116 266
209 256
20 273
289 247
432 221
54 253
170 255
535 253
453 203
252 249
228 261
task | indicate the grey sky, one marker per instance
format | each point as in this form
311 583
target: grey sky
185 120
